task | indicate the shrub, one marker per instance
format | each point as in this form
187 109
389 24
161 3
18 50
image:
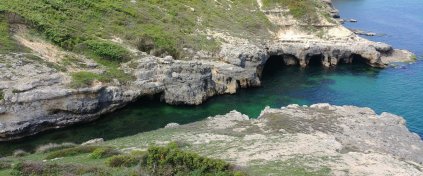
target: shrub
122 161
103 153
171 160
36 168
71 152
108 50
84 79
413 57
5 164
53 147
145 43
17 169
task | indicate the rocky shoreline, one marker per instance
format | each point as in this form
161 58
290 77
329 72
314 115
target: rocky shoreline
36 97
334 140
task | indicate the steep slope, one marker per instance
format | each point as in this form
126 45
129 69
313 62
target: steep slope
66 62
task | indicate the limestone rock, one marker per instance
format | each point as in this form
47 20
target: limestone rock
93 141
172 125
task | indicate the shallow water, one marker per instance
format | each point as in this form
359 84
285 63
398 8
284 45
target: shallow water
396 90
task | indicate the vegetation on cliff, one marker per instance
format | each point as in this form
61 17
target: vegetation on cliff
168 26
304 10
110 32
151 25
6 42
100 160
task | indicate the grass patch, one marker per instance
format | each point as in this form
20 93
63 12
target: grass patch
101 160
86 79
103 153
171 160
7 44
168 26
108 50
53 147
291 167
38 168
123 161
71 152
304 10
5 164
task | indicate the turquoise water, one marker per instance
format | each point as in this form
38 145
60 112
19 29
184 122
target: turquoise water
399 91
396 90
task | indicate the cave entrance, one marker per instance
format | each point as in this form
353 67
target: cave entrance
273 65
358 60
315 60
353 59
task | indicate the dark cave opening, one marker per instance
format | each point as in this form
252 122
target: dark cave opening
358 60
315 60
273 64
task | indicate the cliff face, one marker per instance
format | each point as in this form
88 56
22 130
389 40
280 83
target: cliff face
36 91
318 140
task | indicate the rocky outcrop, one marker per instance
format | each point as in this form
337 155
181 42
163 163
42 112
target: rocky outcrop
37 97
324 139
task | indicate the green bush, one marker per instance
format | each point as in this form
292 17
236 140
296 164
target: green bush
123 161
413 57
44 169
17 169
145 43
103 153
108 50
84 79
71 152
172 161
5 164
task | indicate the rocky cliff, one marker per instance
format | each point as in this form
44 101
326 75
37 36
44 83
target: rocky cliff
36 92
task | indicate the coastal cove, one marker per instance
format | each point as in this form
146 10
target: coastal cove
394 90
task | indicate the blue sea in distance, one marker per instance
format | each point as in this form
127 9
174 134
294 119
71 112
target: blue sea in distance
394 90
398 91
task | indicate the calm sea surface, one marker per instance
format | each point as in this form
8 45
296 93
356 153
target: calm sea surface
395 90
